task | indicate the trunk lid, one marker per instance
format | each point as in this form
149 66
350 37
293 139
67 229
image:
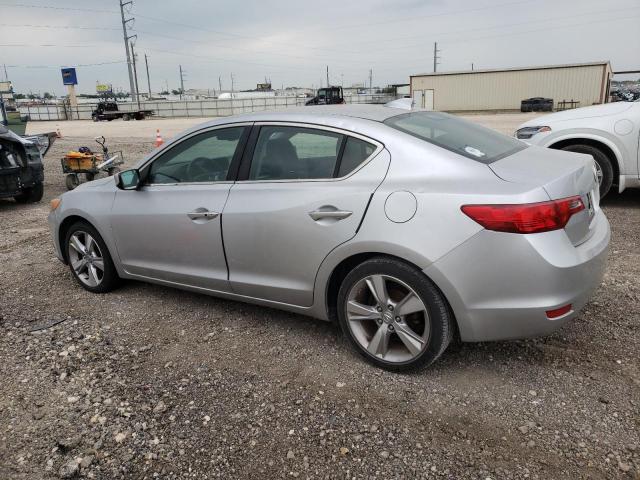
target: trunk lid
561 174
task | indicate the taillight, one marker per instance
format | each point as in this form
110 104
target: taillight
527 217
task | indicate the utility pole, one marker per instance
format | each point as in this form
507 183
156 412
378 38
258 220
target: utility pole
146 64
132 88
370 81
472 66
181 81
135 73
327 76
6 76
436 57
231 84
219 85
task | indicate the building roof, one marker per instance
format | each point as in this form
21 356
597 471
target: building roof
515 69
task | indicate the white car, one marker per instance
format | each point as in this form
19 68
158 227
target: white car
610 133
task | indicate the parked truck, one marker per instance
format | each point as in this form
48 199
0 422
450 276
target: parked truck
107 109
327 96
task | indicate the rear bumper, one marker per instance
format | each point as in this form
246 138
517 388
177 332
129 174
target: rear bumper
500 285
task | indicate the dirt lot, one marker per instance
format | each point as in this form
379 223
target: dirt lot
149 382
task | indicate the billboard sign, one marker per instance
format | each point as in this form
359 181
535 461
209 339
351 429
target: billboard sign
69 76
104 88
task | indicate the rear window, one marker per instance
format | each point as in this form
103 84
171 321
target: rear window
460 136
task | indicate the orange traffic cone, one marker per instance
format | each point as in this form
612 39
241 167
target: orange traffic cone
159 140
58 133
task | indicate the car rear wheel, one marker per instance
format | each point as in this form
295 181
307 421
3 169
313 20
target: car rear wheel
604 169
89 259
394 315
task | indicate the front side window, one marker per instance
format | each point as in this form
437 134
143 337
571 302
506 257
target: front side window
202 158
460 136
284 152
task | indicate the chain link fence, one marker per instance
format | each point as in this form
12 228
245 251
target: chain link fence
187 108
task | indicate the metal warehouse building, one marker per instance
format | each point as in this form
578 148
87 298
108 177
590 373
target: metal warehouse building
586 83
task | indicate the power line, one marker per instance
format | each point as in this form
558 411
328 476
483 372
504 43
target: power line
59 66
509 25
38 45
432 15
76 9
60 27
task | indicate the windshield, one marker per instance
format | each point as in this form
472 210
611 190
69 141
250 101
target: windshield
460 136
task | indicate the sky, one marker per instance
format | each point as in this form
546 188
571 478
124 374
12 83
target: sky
291 43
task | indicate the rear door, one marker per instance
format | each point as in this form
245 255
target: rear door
302 192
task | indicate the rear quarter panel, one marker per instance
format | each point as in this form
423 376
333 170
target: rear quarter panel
441 182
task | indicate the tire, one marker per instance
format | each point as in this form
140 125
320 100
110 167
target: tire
402 281
126 117
72 181
31 195
89 177
603 161
95 118
108 279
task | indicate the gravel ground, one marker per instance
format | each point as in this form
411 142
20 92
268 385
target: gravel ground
150 382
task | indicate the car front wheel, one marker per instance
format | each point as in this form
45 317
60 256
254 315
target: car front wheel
89 259
394 315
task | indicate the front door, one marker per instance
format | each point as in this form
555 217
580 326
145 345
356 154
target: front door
305 193
169 229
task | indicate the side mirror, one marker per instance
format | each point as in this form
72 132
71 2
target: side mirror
128 179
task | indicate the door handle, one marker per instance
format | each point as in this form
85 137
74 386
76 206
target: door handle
336 214
206 215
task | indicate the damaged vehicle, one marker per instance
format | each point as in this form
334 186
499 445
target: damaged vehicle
21 167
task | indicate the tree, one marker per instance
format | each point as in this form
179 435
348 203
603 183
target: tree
47 96
19 96
177 92
164 92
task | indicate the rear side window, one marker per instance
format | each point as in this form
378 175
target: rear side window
460 136
290 153
286 153
355 152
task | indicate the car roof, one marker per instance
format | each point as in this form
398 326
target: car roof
322 114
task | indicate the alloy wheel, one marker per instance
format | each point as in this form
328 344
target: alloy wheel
387 318
86 259
599 173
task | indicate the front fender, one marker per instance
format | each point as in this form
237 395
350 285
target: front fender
96 212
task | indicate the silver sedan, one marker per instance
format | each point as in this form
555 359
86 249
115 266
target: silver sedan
406 227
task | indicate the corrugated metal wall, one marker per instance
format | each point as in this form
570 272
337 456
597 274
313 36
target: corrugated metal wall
503 90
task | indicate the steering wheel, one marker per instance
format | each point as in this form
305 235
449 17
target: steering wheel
197 170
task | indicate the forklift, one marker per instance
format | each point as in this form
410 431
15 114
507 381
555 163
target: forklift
327 96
